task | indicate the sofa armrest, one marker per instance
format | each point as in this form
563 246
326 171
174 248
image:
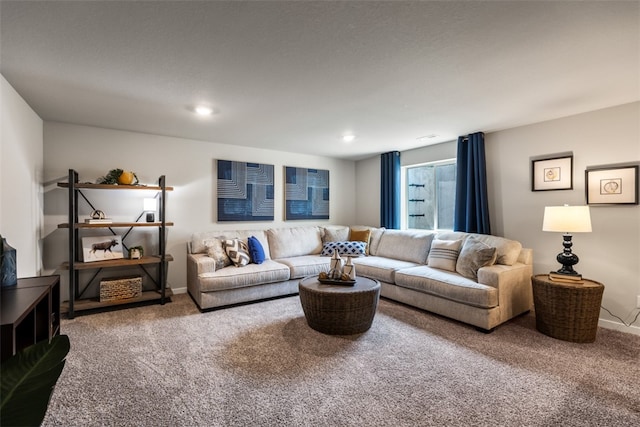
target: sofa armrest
513 282
499 275
196 265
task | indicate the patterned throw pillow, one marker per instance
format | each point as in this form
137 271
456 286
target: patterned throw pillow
444 254
256 250
474 255
344 248
216 251
237 251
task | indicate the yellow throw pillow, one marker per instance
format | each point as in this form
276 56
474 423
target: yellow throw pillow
360 236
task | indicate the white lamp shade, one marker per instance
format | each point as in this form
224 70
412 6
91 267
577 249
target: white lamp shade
149 205
567 219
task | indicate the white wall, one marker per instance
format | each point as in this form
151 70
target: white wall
188 166
21 168
610 254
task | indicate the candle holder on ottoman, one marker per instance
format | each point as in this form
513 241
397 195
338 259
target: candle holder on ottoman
337 309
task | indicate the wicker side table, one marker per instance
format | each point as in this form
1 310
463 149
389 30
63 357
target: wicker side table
567 311
339 310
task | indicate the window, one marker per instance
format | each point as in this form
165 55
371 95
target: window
429 195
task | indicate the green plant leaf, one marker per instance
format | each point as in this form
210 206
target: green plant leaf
27 380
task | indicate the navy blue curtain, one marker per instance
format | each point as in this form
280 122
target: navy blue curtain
472 205
390 190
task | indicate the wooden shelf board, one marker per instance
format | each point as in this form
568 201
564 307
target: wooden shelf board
94 303
121 262
83 186
116 224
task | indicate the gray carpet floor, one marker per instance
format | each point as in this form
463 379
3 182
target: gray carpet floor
261 365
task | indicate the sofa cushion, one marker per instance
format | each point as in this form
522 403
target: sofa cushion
355 249
474 255
447 285
237 251
215 250
255 250
294 241
444 254
250 275
380 268
507 251
335 233
405 245
306 265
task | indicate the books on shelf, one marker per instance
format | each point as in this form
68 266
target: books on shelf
566 278
98 221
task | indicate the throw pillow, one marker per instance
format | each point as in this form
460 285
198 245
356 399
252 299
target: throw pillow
474 255
444 254
335 234
256 250
354 249
237 251
216 251
361 236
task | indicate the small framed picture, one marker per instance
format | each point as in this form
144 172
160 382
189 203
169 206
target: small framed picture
555 173
615 185
101 248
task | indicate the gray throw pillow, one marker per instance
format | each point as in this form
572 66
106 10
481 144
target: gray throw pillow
215 250
474 255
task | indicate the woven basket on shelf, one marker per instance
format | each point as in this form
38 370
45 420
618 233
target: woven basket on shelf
567 311
117 289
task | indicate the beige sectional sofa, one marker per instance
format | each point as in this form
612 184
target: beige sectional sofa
404 262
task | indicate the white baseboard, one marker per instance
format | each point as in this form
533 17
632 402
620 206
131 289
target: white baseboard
179 290
609 324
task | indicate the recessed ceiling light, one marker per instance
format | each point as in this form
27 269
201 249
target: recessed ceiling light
203 110
348 137
430 136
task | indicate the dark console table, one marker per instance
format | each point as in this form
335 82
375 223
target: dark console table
30 313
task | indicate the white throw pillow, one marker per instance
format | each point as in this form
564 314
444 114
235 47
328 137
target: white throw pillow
444 254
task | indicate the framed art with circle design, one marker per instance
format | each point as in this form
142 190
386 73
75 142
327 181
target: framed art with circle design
552 173
612 185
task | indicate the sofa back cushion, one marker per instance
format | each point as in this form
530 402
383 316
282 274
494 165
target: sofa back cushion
294 241
405 245
335 233
507 251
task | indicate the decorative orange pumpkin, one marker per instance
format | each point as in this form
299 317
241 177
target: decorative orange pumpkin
127 178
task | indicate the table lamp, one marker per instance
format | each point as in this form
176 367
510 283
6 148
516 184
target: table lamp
567 219
150 208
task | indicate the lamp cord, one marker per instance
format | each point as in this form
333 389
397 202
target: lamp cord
623 322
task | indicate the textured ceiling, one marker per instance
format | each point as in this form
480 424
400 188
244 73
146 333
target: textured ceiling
295 76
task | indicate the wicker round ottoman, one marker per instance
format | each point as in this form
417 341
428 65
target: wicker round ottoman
337 309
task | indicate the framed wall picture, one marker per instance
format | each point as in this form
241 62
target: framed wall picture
101 248
554 173
245 191
615 185
306 193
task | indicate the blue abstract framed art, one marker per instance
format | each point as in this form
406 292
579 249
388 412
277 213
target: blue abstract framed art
306 193
245 191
